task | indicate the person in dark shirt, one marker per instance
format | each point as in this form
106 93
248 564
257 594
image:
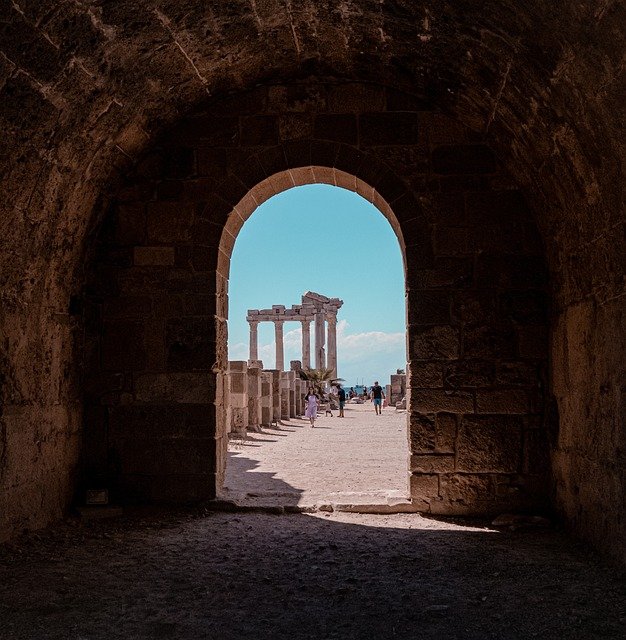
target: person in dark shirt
342 399
377 397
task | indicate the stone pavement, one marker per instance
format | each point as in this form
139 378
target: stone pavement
359 459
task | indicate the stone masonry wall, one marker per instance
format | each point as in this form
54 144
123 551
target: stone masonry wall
476 279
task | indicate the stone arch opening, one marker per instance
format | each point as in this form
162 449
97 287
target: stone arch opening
244 380
477 304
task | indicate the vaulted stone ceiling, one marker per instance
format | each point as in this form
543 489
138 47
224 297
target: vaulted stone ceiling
86 85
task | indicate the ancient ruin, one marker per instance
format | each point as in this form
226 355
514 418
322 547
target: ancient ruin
314 308
138 137
256 397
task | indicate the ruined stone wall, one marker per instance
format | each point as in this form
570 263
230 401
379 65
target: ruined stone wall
476 278
85 87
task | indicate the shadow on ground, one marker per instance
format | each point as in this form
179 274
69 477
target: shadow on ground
232 576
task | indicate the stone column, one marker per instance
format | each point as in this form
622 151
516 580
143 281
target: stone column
254 398
275 374
332 342
292 394
306 344
320 340
254 340
238 396
280 350
266 398
285 396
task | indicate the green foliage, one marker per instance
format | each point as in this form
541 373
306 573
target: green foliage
317 378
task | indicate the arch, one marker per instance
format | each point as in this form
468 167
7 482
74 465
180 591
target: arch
476 303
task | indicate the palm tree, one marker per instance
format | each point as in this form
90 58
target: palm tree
317 378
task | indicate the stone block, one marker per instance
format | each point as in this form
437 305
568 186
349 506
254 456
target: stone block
490 444
466 494
259 130
430 433
494 207
532 341
127 307
487 342
165 457
336 127
447 272
296 98
380 129
511 270
424 488
154 256
130 223
123 345
451 241
187 388
436 400
427 375
212 131
355 97
526 307
517 373
432 464
434 342
190 343
536 453
463 158
469 374
400 101
212 163
162 421
474 306
169 489
502 401
169 222
446 432
295 126
428 307
169 190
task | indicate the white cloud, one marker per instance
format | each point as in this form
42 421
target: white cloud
369 355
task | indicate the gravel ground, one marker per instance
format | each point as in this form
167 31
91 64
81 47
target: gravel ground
199 574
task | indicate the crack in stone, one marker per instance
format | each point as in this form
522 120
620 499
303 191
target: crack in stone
293 28
505 79
165 21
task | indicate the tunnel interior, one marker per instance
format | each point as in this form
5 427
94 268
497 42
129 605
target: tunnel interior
493 135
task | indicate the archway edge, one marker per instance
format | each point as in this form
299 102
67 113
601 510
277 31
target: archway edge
297 177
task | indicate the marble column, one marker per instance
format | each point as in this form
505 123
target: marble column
254 341
320 340
331 318
280 350
306 344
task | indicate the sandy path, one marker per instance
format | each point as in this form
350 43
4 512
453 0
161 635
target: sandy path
360 458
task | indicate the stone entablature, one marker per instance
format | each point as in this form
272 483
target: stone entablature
315 308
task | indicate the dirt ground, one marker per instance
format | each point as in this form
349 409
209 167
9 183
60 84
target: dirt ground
200 574
362 458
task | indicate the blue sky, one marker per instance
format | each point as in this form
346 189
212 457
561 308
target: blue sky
332 241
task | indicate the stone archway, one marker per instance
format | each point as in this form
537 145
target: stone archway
475 275
242 211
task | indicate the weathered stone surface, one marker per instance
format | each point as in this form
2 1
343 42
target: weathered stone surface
490 444
69 193
436 343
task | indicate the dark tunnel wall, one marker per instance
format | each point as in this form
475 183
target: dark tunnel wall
86 87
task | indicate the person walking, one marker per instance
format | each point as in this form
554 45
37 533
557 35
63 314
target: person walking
341 394
377 397
312 401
